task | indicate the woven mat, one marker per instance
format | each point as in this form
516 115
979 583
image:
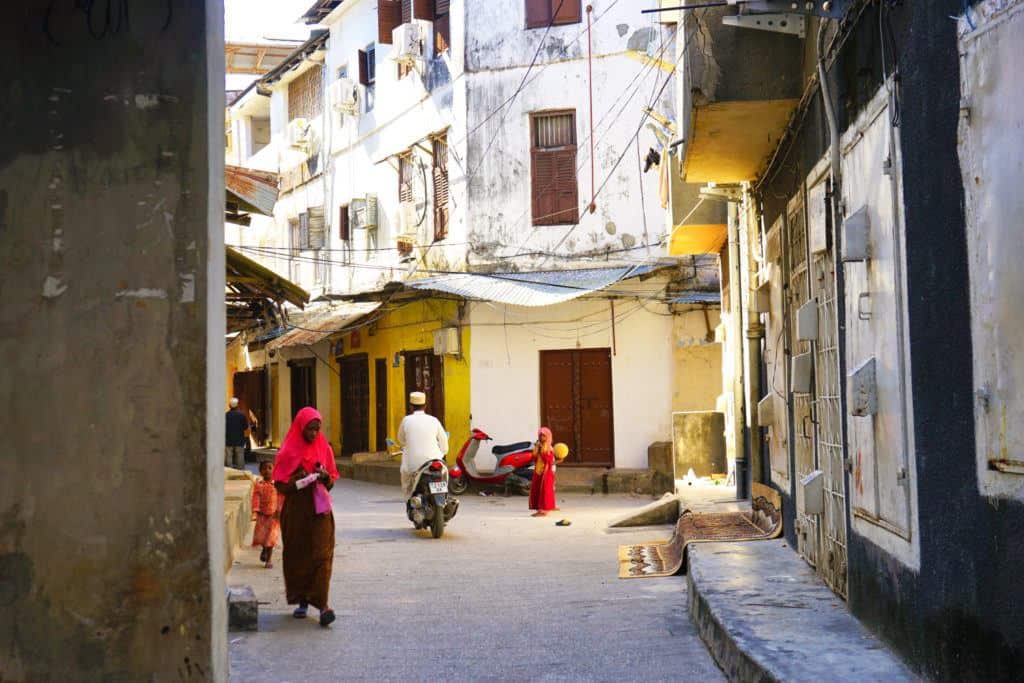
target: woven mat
665 558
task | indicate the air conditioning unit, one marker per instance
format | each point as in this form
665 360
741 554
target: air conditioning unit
298 133
408 43
446 342
343 95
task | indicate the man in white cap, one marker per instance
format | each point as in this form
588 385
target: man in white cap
422 438
235 435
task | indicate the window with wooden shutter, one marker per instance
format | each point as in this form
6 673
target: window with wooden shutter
368 65
442 27
303 230
317 227
406 11
389 16
423 9
306 95
554 190
542 13
344 227
405 177
440 149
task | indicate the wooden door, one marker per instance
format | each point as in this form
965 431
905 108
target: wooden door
425 372
380 369
303 376
576 403
355 404
250 388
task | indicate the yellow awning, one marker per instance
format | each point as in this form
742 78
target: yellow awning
689 240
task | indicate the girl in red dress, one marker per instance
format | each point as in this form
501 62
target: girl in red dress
266 512
542 488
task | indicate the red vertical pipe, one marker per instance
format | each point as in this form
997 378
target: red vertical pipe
590 83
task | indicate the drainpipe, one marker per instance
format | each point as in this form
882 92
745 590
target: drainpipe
754 334
736 351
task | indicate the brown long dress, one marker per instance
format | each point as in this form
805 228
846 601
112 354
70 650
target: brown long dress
308 538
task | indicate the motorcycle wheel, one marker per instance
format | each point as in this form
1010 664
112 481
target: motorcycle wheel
458 486
437 524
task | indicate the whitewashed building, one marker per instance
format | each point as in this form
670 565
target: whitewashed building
420 139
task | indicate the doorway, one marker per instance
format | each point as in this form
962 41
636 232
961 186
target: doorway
576 403
380 387
303 376
425 372
250 389
355 404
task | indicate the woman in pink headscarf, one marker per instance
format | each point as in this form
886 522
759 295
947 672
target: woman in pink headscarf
542 488
304 471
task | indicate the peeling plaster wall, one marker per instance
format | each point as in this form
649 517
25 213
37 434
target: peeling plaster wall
498 54
698 362
111 361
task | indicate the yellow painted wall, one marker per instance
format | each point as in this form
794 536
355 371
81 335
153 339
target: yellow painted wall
698 364
234 360
410 328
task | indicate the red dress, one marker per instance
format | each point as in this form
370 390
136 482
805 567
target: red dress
542 488
266 503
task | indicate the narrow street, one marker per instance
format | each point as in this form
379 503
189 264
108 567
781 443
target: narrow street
500 596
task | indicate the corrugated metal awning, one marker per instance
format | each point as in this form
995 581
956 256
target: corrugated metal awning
322 326
249 190
532 289
697 298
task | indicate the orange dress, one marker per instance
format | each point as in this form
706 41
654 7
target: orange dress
266 504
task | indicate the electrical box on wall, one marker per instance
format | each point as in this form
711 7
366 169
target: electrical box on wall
813 486
800 373
857 236
862 390
807 321
766 411
446 341
763 298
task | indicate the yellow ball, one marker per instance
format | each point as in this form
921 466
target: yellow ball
561 451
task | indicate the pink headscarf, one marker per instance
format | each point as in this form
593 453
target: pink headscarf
295 451
544 431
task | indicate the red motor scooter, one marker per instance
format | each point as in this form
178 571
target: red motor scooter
513 468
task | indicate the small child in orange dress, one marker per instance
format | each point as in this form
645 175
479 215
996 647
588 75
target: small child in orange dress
266 512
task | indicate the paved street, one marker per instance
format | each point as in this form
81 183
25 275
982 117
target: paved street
501 597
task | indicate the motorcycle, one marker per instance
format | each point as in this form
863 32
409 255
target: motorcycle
431 504
514 466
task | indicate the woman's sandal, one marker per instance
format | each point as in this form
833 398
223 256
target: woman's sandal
300 611
327 617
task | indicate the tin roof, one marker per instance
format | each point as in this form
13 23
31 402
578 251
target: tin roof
697 298
250 191
322 326
542 288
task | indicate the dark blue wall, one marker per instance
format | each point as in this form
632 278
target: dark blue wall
957 619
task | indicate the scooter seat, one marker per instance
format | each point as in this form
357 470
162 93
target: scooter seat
511 448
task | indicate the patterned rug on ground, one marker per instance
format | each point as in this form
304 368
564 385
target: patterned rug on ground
665 558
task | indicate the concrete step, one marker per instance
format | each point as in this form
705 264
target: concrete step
766 616
238 485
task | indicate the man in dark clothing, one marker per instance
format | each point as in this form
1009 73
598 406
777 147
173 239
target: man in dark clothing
235 436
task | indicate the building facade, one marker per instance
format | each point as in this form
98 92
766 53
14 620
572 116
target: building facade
871 301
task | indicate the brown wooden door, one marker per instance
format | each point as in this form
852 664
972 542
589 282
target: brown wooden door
303 376
380 369
355 404
576 403
425 372
250 388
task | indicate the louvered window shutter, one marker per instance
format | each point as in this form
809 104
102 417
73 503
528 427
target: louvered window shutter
568 12
389 16
441 7
553 173
440 188
423 9
538 13
567 190
317 228
344 227
304 230
364 71
406 11
405 180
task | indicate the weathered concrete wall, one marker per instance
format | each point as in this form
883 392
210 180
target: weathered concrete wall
111 331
